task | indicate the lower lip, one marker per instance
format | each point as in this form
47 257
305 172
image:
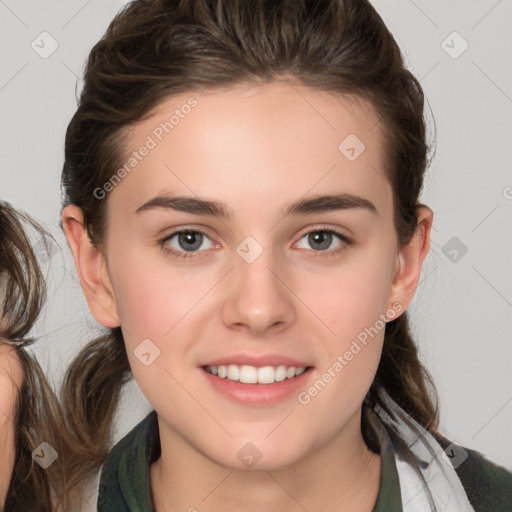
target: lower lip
258 394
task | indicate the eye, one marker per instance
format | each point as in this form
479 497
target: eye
185 241
321 239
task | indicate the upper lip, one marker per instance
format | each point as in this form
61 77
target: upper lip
258 360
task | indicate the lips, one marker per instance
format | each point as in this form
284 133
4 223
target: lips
256 379
257 394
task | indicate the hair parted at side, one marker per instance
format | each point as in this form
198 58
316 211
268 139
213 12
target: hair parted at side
154 49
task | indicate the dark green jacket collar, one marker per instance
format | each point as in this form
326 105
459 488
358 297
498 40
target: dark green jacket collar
125 485
124 480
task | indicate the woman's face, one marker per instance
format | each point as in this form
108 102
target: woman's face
256 287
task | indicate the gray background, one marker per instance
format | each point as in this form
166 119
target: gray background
462 311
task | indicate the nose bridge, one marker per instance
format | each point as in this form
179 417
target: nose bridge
257 296
254 262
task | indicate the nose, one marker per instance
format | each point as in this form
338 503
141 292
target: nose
258 299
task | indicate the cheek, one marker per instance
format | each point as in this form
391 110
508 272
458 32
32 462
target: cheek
157 307
353 307
349 298
151 299
351 303
149 306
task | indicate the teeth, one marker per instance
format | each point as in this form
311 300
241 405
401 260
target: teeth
252 375
266 375
280 373
233 372
248 374
290 372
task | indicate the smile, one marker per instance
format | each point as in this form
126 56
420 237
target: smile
247 374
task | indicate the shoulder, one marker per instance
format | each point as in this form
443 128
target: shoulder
488 486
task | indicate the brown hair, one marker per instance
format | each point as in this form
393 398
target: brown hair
157 48
37 409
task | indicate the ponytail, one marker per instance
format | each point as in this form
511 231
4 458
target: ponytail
90 394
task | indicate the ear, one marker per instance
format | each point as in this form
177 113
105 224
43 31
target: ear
410 258
91 267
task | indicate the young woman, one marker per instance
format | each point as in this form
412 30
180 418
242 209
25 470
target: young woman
32 475
242 185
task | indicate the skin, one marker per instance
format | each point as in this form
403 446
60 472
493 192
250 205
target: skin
257 149
11 379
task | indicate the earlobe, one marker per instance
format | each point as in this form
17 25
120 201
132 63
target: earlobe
91 268
410 258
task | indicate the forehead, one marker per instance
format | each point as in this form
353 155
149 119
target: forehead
270 142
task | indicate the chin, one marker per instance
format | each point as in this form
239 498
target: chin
254 454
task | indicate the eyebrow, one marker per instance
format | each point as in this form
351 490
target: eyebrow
316 204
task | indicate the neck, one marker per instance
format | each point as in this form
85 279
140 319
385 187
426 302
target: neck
332 476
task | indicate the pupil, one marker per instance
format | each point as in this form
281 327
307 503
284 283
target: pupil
190 241
313 239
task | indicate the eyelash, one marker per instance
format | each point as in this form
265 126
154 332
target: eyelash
322 229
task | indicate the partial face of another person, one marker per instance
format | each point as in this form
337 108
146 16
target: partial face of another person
11 380
267 275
